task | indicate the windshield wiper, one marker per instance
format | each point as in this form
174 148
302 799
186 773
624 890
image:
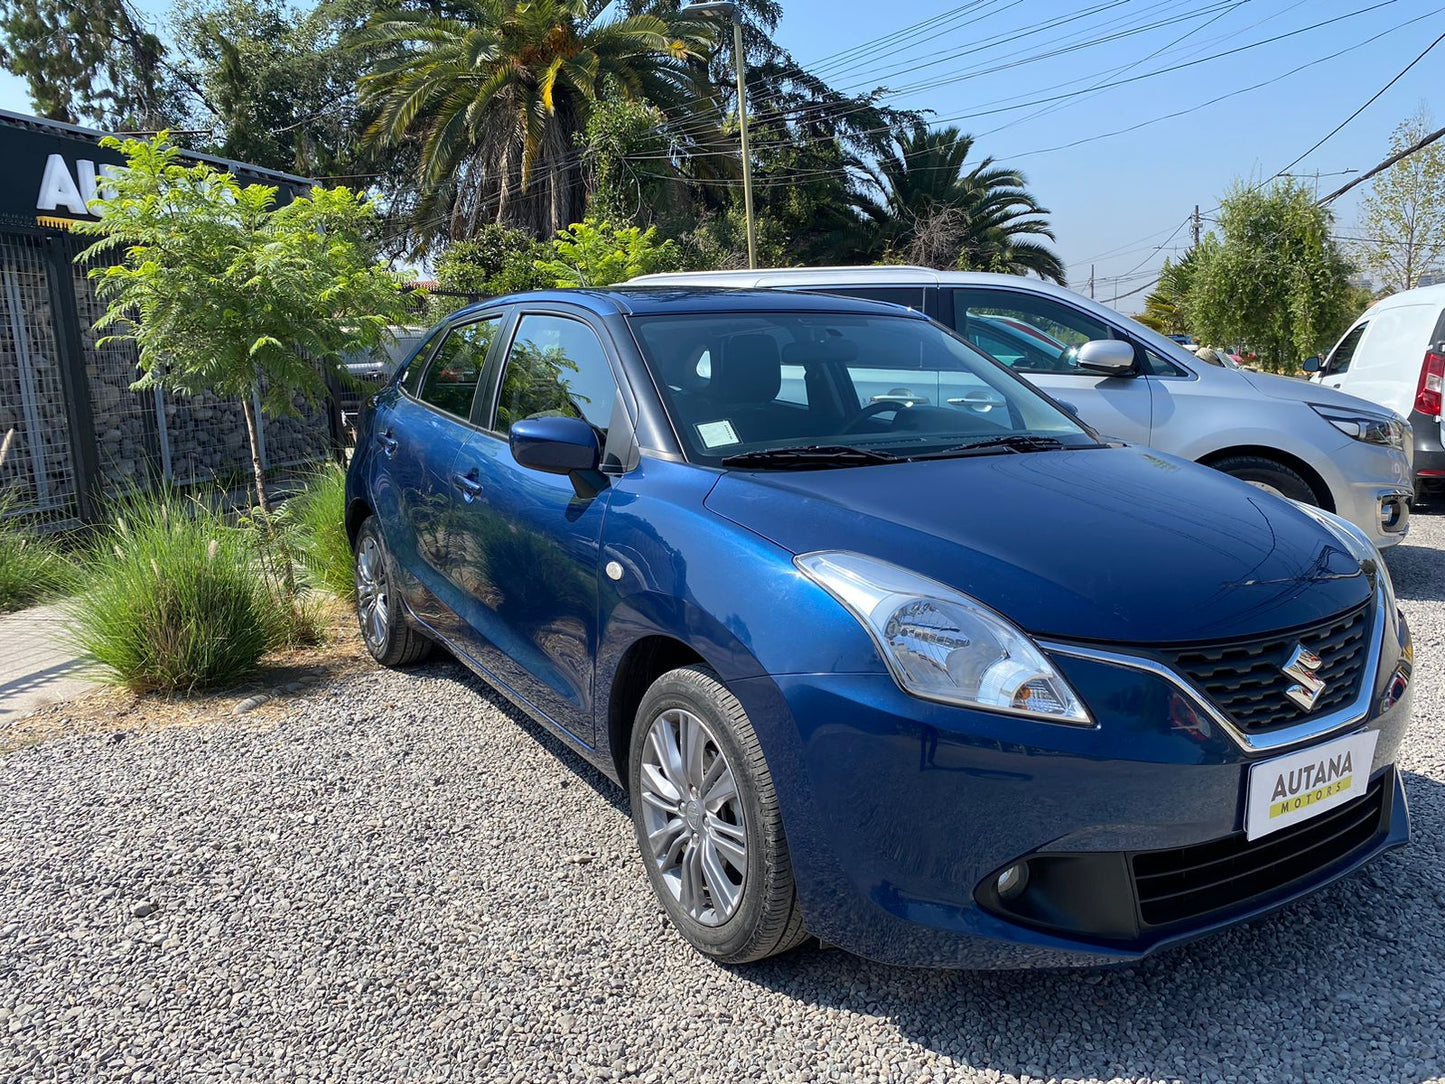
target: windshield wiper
1017 442
810 457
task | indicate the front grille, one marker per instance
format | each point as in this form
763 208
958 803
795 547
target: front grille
1246 680
1192 882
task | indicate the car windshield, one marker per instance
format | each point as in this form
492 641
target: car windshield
742 384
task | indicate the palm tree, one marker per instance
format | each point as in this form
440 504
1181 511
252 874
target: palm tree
938 211
493 94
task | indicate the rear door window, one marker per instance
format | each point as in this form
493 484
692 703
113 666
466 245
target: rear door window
450 383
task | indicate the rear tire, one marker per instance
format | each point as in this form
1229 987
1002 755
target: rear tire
1269 475
385 627
707 821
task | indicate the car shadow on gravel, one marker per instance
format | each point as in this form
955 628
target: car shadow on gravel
1345 985
448 668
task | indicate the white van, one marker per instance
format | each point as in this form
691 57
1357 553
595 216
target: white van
1394 355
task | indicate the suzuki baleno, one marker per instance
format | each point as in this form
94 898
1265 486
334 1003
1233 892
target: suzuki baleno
952 682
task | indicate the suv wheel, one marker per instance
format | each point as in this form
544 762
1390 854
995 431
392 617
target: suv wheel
1268 475
389 634
707 821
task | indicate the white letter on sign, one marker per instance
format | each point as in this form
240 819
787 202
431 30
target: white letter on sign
57 188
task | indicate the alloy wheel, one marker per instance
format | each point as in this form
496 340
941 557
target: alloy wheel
371 593
693 816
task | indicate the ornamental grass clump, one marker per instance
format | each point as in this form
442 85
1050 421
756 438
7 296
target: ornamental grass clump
317 517
32 566
174 602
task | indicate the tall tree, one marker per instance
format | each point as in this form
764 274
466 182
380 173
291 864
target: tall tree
278 88
1402 220
1273 279
495 93
936 209
92 61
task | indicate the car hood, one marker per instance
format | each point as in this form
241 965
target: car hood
1306 391
1117 545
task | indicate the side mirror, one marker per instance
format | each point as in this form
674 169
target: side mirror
1314 364
1070 407
559 446
1107 357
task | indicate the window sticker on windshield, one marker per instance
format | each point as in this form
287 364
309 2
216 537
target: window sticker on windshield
716 434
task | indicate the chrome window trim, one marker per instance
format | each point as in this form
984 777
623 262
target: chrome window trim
1274 740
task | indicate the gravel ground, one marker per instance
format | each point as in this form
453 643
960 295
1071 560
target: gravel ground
398 880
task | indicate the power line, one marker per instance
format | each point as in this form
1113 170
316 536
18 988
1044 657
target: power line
1372 99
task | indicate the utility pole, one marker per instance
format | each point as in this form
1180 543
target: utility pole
1196 225
1091 281
730 9
738 63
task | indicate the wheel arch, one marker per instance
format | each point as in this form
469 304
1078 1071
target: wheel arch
356 512
1300 466
642 663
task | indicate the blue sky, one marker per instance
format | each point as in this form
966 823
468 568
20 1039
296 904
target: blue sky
1117 171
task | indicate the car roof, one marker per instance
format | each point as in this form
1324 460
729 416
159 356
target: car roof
1421 295
650 300
859 275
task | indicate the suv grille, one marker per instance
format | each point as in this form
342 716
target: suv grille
1192 882
1246 680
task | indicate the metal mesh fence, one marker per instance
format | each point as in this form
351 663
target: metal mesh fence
127 442
37 478
129 439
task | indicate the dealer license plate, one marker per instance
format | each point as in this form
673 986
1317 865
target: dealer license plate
1294 788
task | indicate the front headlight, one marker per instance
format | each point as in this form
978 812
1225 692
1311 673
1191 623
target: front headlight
1371 428
940 644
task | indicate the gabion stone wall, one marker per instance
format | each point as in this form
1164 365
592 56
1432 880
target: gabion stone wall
124 420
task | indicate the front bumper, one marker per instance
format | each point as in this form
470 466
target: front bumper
901 813
1373 489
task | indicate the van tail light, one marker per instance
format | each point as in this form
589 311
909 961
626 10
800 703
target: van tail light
1432 379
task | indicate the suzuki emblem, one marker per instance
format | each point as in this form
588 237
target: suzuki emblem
1302 666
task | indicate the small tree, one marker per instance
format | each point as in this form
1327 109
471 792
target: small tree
1274 280
596 253
225 292
1402 220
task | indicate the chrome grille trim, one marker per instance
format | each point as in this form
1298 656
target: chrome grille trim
1269 741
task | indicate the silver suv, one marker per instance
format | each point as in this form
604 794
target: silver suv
1288 436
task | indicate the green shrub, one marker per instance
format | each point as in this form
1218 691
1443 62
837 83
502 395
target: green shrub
174 601
32 566
317 516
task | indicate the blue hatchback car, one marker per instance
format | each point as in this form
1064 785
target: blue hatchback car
943 680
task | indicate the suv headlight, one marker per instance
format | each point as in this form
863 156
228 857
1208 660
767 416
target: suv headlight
1371 428
939 644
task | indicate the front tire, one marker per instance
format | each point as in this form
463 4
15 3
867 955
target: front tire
389 634
1268 475
707 821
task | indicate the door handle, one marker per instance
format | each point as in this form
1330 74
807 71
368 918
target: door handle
388 443
469 484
